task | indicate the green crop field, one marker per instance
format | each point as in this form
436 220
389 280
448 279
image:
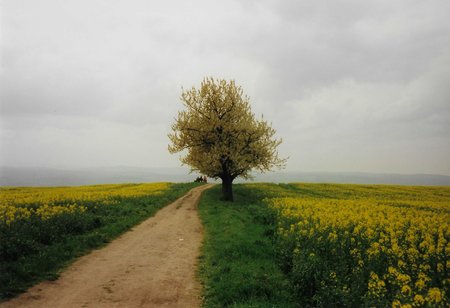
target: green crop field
327 245
42 229
277 245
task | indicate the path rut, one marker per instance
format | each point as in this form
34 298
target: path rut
153 265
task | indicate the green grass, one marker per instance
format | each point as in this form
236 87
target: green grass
247 262
34 251
238 265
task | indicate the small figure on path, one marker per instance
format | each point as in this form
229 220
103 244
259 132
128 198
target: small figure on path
201 179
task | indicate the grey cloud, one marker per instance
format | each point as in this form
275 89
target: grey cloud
317 44
349 85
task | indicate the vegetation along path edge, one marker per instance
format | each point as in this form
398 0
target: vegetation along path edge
151 265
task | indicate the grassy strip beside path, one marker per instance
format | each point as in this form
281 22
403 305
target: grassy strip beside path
94 228
337 245
238 266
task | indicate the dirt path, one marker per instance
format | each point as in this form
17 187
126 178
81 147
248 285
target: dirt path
151 266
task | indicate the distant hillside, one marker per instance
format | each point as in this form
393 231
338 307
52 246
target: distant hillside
356 178
14 176
58 177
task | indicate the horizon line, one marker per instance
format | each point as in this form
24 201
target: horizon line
256 173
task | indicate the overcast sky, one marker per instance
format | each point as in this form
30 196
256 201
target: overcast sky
348 85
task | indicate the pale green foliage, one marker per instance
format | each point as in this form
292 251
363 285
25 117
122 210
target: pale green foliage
222 137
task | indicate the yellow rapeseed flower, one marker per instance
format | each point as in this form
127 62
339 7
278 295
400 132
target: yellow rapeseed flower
434 296
408 228
20 203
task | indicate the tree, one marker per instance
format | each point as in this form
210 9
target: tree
222 137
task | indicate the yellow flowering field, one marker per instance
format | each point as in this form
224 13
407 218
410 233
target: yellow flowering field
43 228
21 203
365 245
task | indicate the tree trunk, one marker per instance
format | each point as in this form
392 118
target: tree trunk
227 189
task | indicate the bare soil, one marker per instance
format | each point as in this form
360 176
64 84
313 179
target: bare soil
153 265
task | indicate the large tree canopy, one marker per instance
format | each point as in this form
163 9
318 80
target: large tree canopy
222 137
